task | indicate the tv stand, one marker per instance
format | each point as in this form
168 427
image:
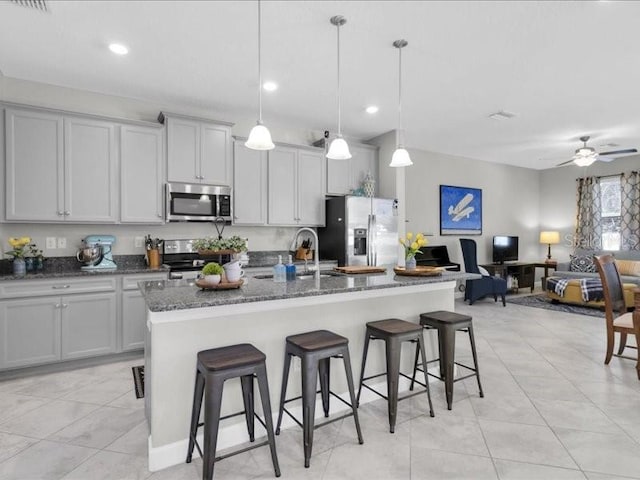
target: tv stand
523 272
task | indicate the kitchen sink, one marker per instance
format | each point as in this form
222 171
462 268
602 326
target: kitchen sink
305 276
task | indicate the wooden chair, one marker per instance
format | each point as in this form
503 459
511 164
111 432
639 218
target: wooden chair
617 317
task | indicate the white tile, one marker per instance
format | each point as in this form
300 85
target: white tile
11 445
12 405
127 400
508 470
448 433
575 415
110 466
102 393
134 442
508 408
57 385
550 388
427 464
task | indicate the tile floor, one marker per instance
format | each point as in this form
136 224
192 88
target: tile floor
551 410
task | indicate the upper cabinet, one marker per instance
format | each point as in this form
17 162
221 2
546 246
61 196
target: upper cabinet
296 179
198 151
249 185
343 176
141 174
69 161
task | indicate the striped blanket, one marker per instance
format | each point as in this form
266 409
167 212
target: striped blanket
591 288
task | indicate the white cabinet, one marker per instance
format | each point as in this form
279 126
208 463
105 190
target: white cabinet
134 312
59 168
141 174
249 185
198 151
296 184
343 176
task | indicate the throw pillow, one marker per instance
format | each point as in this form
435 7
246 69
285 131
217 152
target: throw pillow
628 267
582 263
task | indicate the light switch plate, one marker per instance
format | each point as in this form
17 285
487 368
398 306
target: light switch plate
138 242
62 242
51 243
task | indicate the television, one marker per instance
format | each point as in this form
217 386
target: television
505 249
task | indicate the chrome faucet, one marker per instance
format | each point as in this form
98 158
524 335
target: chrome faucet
316 255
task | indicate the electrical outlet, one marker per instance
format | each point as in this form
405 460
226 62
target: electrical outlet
51 243
138 242
62 242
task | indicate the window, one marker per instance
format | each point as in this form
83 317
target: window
610 212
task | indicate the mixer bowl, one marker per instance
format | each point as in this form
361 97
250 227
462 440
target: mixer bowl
90 256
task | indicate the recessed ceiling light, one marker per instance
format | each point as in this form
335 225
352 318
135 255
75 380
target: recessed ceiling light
270 86
118 49
371 109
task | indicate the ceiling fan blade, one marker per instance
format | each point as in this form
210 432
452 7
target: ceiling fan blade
565 163
619 152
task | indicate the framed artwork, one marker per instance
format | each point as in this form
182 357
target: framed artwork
460 210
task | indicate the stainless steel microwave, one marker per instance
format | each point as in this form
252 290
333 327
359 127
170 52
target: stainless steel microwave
197 203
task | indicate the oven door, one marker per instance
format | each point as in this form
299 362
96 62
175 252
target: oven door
197 203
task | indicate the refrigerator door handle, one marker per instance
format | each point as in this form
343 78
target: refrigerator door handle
371 248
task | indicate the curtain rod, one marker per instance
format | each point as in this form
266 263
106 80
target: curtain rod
632 172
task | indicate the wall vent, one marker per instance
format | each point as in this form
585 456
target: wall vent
37 4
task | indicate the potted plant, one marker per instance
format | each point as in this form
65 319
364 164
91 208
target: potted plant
212 273
411 247
220 246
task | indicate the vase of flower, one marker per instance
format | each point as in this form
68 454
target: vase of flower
410 263
412 246
19 267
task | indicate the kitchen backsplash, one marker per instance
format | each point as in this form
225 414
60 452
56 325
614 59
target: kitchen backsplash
260 238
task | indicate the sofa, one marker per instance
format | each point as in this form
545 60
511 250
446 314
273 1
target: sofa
563 269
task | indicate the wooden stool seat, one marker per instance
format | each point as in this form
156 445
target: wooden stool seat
230 357
393 332
442 317
316 340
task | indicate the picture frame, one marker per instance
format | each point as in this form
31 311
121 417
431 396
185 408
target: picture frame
460 210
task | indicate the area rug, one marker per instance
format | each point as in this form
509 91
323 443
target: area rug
138 380
541 300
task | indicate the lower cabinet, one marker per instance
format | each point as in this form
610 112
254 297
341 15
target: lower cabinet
134 320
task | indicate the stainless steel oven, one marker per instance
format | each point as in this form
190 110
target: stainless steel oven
197 203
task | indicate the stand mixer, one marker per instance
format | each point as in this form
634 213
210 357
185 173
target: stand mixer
96 253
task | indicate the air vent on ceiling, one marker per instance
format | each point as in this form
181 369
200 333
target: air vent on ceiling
502 115
609 145
37 4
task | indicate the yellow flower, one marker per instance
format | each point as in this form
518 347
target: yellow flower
414 246
422 242
402 241
419 236
409 235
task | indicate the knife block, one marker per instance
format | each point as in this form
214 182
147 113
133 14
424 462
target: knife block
304 254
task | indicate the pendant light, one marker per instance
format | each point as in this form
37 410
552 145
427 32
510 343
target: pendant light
400 157
259 138
338 150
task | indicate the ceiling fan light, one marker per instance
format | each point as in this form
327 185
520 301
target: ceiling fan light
339 150
584 160
400 158
259 138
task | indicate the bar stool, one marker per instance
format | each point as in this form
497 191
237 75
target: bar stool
315 349
214 367
394 332
447 324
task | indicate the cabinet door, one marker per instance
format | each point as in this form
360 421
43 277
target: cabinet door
311 188
249 186
141 174
30 332
134 320
90 171
283 186
338 177
88 325
183 150
216 165
34 166
363 161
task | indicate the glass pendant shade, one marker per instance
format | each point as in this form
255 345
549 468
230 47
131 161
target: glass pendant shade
259 138
400 158
584 160
339 150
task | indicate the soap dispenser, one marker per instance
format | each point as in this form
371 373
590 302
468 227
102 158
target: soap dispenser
279 271
291 270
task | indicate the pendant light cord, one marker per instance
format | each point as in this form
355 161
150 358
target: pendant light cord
399 139
259 64
339 126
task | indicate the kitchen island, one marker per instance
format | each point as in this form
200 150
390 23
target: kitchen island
182 320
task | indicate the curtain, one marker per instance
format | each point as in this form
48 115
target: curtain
630 212
588 220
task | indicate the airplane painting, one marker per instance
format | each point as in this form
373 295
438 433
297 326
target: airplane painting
460 210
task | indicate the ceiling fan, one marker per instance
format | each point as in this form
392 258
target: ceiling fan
585 156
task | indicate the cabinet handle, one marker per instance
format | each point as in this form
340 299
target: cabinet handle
65 305
67 213
60 213
60 287
57 305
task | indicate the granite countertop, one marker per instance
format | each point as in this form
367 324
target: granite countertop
60 267
171 295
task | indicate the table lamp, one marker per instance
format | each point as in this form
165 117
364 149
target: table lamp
550 238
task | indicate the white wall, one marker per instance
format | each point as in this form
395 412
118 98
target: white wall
558 197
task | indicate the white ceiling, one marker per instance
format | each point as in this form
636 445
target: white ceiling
564 68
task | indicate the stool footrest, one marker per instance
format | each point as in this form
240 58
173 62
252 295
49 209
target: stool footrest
242 450
324 423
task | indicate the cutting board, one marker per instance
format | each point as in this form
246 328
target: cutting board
419 271
360 269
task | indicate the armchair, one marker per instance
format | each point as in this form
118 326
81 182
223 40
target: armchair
480 287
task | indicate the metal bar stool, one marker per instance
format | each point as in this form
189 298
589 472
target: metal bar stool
315 349
214 367
447 324
394 332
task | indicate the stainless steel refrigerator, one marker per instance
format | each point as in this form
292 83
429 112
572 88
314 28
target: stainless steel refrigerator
360 231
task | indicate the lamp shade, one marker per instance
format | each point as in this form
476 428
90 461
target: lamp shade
339 150
550 238
400 158
259 138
